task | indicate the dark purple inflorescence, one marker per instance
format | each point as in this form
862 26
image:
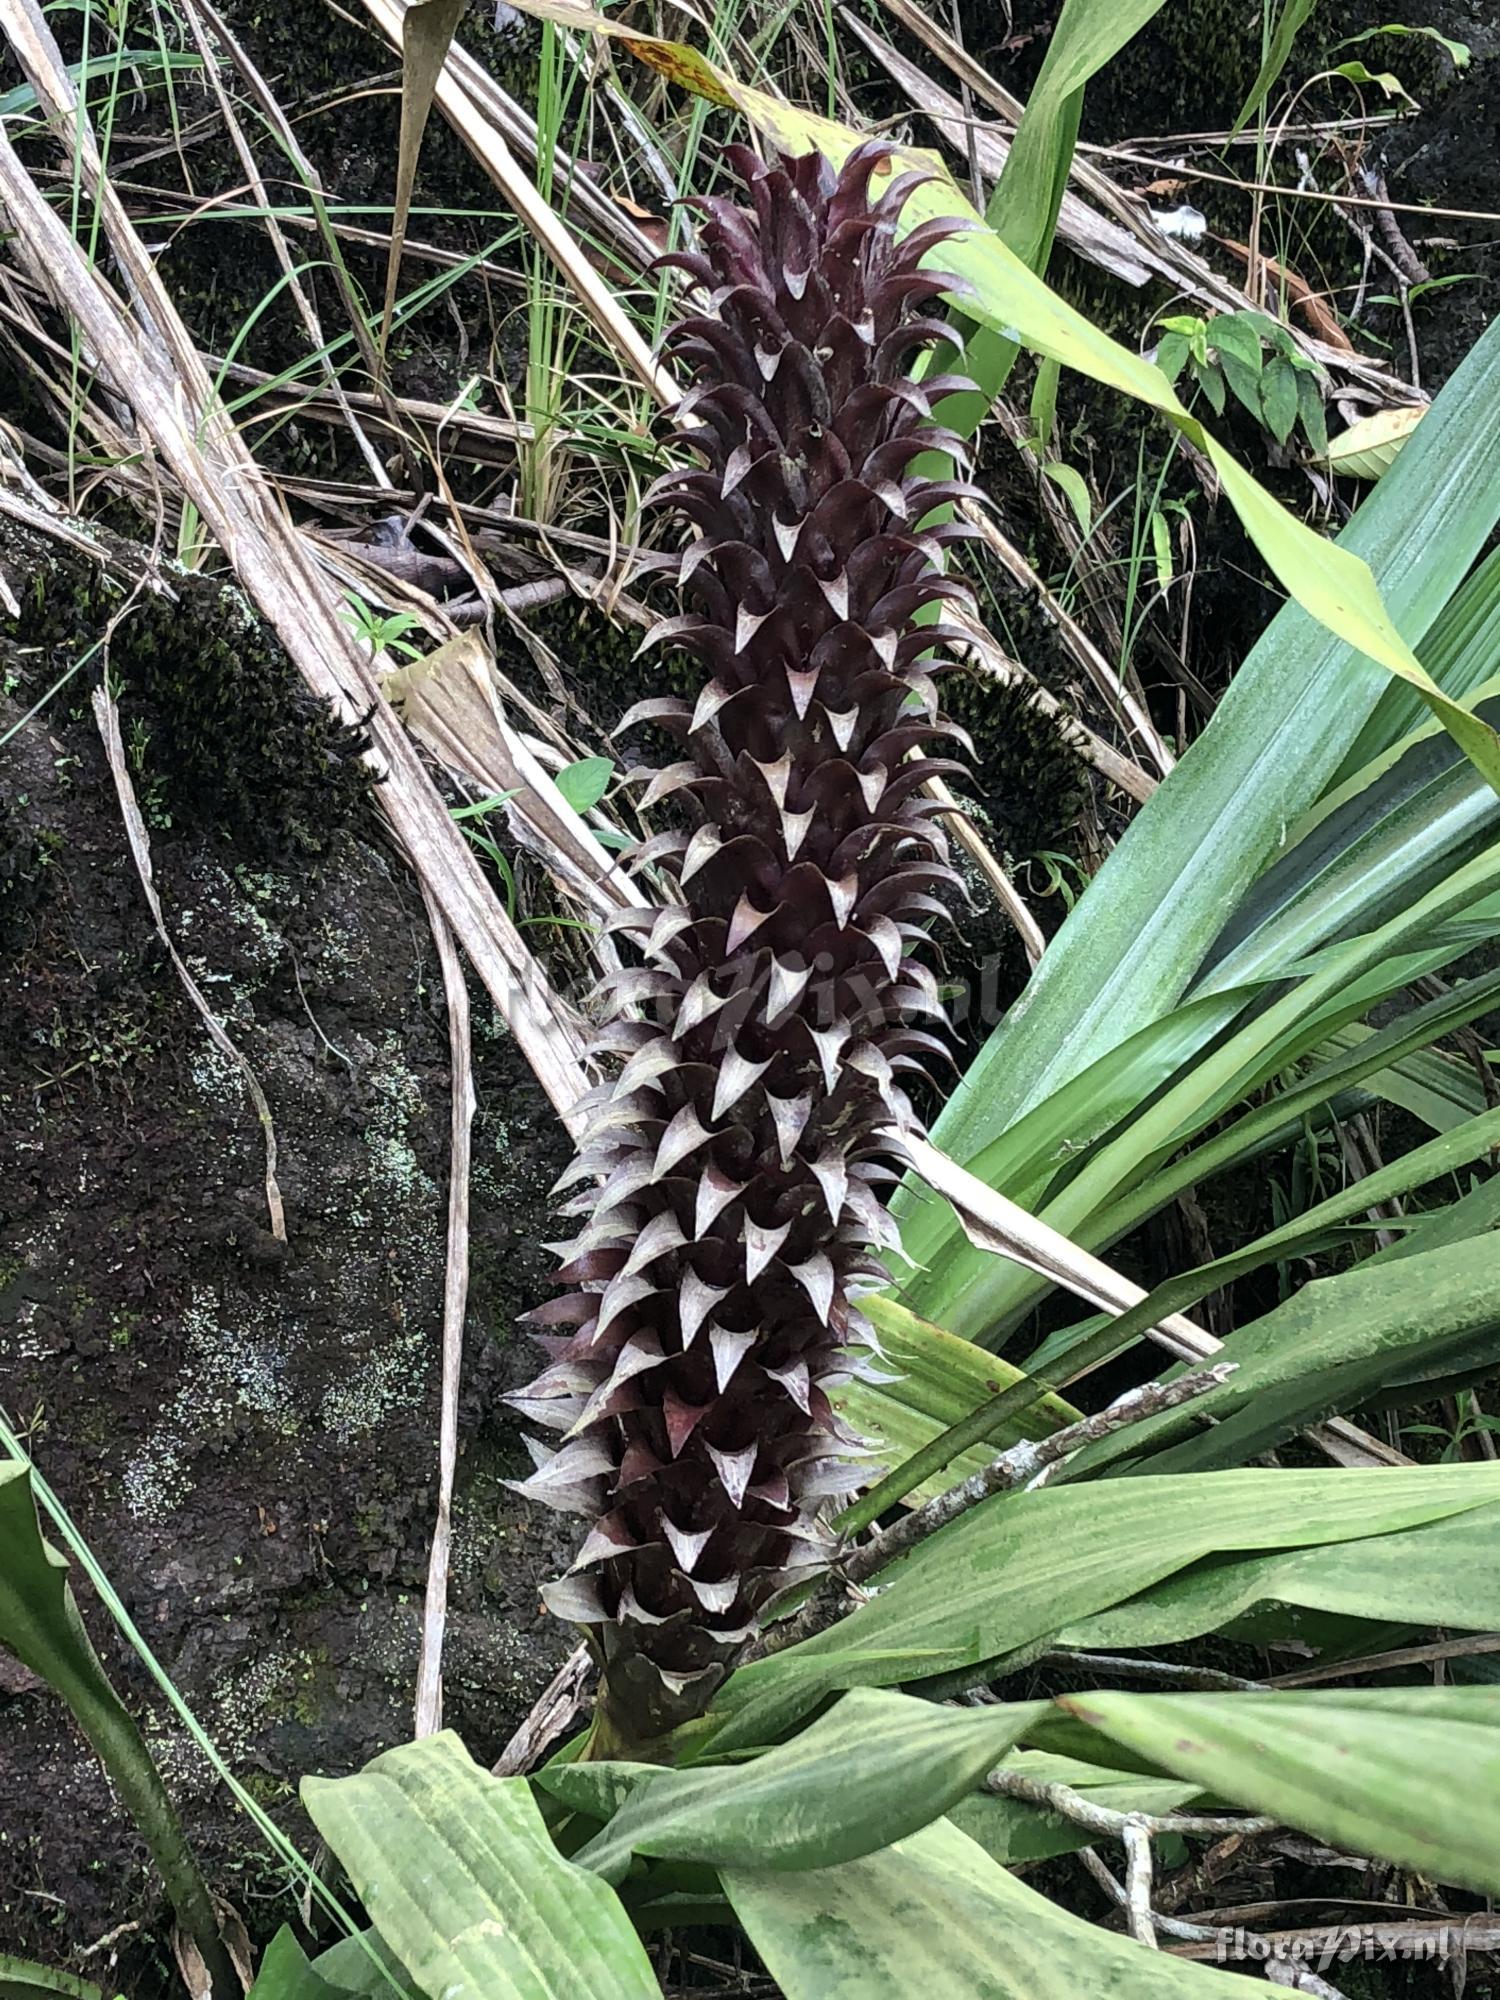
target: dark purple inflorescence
732 1167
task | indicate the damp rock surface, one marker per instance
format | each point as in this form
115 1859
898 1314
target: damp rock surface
245 1431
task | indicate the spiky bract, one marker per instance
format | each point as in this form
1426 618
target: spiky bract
731 1168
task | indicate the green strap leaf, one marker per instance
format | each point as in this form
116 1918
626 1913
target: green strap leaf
1369 1579
1005 1577
360 1966
463 1883
39 1623
874 1769
1411 1775
936 1916
1284 727
1337 1341
21 1980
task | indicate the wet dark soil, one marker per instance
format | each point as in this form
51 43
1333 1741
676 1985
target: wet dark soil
244 1431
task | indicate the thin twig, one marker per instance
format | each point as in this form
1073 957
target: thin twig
1402 1656
552 1711
1021 1464
1138 1880
429 1701
1106 1821
107 715
1098 1666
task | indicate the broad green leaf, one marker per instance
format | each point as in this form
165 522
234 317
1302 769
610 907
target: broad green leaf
1075 488
1011 1572
1368 449
1281 731
21 1980
939 1378
876 1768
286 1973
1383 79
936 1916
355 1965
1367 1579
1278 397
1239 334
1328 1346
1386 836
461 1878
1411 1775
584 784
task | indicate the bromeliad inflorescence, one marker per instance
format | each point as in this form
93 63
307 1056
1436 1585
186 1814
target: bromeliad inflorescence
731 1168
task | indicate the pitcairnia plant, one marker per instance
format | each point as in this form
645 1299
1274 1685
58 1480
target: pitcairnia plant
732 1168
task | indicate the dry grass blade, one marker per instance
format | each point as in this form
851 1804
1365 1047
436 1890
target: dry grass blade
551 1713
993 1222
427 27
107 715
1162 257
207 28
449 701
1033 939
488 144
149 360
429 1700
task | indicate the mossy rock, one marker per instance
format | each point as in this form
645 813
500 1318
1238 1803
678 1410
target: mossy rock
219 725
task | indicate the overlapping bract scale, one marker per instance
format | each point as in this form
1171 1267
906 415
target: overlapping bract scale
728 1186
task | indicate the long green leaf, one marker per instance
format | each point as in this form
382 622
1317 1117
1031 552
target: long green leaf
1285 725
974 1293
1088 35
1007 1575
1321 1352
39 1623
1289 23
874 1769
1386 836
1461 650
1411 1775
939 1379
936 1916
1313 1229
21 1980
462 1881
1367 1579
